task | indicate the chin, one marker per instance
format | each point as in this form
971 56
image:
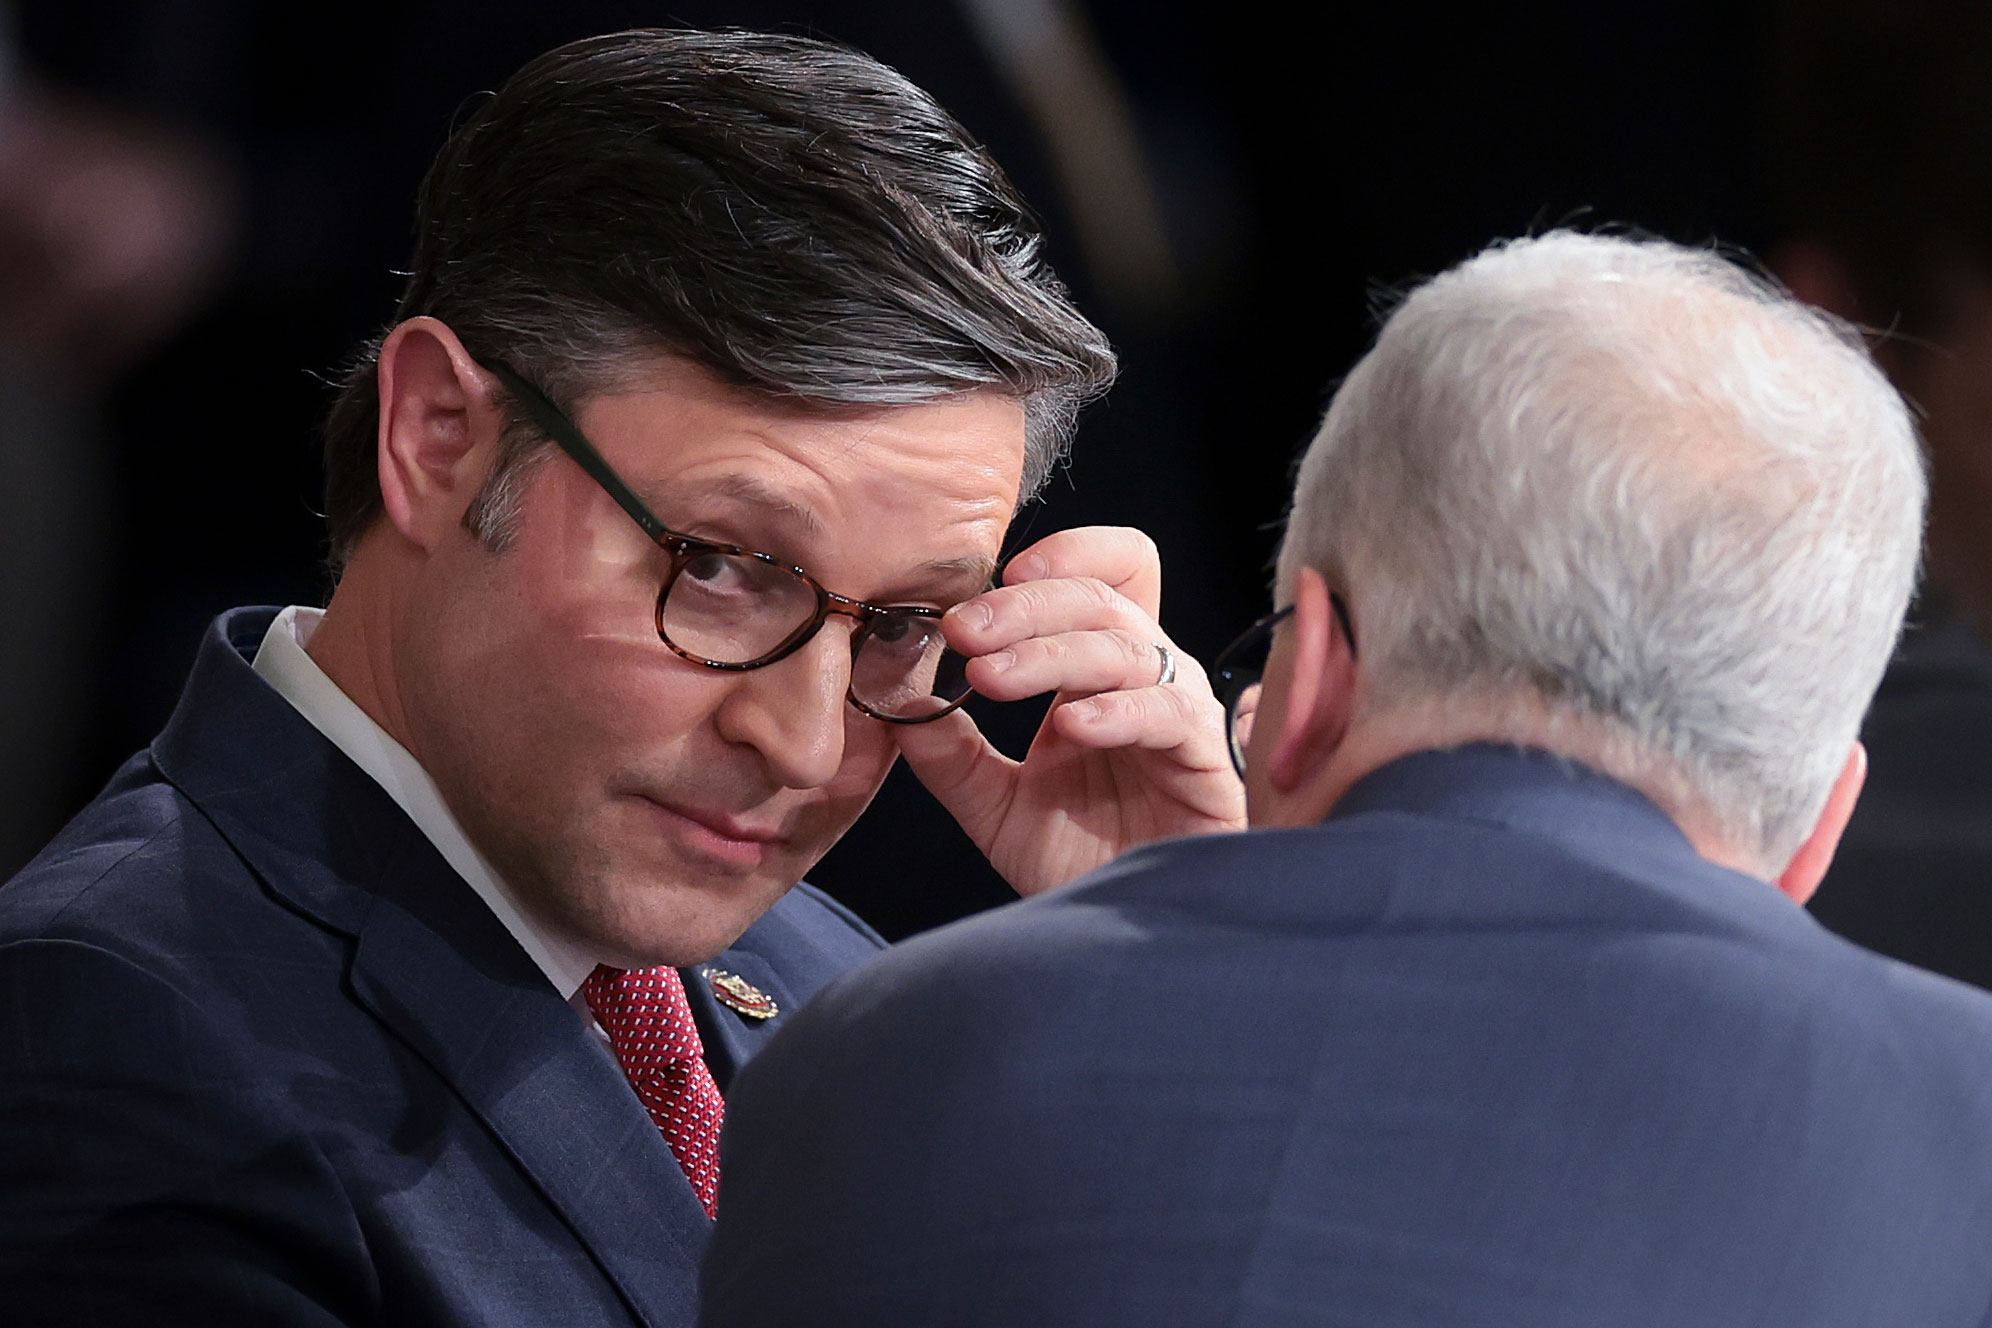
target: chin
681 925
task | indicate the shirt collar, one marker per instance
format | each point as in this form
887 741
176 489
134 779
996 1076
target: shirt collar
282 662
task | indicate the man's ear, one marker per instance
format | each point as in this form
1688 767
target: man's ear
1815 855
1320 688
438 430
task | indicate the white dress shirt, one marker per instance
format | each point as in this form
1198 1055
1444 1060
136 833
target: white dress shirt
282 662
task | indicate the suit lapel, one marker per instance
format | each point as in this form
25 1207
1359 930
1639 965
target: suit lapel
520 1058
732 1036
439 970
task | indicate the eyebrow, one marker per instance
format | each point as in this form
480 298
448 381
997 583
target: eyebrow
764 498
805 526
975 572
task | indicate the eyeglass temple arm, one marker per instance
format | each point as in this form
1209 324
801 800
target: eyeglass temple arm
555 424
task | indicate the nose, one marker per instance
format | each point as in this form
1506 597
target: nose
793 713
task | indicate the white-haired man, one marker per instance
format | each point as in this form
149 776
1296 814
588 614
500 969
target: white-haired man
1507 1014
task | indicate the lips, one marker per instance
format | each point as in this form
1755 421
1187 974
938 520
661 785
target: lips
729 827
716 835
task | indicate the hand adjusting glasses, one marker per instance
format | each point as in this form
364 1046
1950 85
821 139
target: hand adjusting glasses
731 608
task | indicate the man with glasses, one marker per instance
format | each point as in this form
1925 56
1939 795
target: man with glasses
1505 1012
401 979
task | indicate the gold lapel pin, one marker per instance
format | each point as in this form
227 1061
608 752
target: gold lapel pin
738 993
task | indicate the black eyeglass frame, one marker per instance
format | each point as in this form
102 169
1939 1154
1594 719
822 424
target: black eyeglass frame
1231 682
682 548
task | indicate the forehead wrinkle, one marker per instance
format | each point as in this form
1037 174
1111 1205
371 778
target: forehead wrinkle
758 494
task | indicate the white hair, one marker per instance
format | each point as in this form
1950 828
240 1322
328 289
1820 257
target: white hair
1625 488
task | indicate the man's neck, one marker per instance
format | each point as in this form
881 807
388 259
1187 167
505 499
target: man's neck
1374 741
354 645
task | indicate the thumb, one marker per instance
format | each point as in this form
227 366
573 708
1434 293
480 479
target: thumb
967 775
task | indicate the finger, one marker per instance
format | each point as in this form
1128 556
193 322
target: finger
1160 719
966 775
999 618
1079 664
1120 556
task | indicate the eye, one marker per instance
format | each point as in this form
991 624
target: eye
904 634
718 574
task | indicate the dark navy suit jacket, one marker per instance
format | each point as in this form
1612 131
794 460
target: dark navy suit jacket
1491 1046
264 1058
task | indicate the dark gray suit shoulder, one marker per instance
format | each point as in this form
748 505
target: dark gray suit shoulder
1493 1045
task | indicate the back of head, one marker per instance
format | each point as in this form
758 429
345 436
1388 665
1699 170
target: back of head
1626 501
790 215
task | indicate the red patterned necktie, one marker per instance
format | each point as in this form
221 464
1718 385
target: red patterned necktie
649 1024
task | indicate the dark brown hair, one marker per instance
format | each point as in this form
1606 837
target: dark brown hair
791 215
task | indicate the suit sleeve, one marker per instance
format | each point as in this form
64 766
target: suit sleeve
147 1175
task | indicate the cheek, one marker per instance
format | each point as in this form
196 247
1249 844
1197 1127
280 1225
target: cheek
565 650
869 752
608 713
545 709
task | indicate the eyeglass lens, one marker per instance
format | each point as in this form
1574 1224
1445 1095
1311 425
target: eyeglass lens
1243 707
735 608
1238 684
1236 677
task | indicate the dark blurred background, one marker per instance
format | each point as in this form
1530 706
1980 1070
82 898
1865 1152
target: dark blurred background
203 204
